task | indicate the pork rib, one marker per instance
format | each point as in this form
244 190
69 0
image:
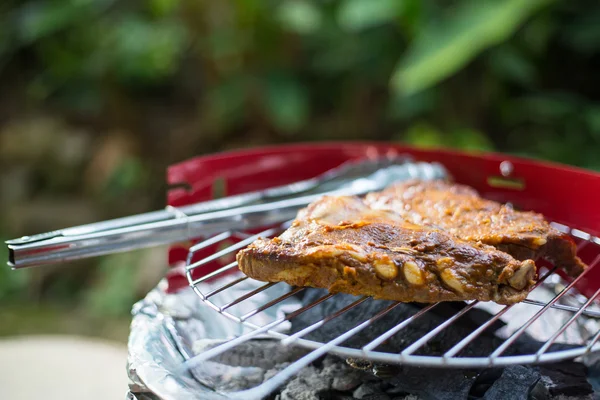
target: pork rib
342 244
459 210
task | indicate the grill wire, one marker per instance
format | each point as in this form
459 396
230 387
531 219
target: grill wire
451 358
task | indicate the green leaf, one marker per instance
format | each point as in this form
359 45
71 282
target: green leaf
592 119
130 173
411 16
226 102
471 140
546 109
144 51
13 284
160 8
6 39
509 63
40 19
113 293
448 45
340 55
299 16
360 14
407 107
538 33
584 33
226 46
424 135
286 103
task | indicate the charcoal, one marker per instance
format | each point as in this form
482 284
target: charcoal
484 345
334 378
592 361
433 383
540 392
306 385
334 395
378 396
428 383
566 379
259 353
397 343
274 371
516 382
368 389
483 382
342 376
396 391
246 365
346 382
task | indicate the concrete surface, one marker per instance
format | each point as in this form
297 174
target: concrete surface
62 367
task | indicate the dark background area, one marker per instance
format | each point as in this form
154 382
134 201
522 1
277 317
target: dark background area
98 97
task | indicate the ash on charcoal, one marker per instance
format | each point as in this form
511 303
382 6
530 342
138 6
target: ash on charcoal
430 383
484 345
306 385
403 311
540 391
333 378
566 379
244 366
367 389
263 354
344 377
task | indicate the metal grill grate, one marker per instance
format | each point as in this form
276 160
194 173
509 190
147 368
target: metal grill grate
450 358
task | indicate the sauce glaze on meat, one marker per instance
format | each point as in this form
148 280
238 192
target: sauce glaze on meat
345 245
459 210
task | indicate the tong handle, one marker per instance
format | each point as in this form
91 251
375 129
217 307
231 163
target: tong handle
242 212
179 228
326 181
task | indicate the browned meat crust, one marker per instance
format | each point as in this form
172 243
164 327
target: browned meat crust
341 244
459 210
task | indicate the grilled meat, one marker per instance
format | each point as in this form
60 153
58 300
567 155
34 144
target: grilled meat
459 210
344 245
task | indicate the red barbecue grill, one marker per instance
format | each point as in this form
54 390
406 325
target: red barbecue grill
567 196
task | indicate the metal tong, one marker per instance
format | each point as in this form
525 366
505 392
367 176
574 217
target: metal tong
246 211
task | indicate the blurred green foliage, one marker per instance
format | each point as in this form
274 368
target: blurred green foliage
511 75
180 78
12 285
113 294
